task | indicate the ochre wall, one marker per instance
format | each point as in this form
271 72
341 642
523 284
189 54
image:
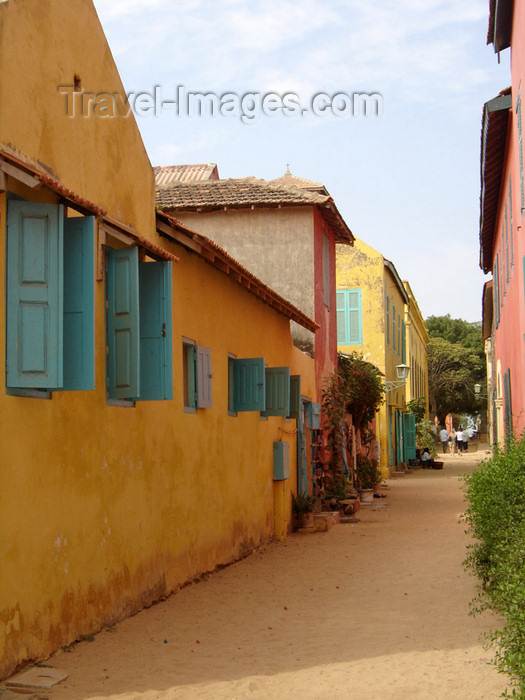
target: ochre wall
105 509
43 45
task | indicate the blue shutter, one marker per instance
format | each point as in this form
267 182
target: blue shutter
355 322
123 323
341 317
79 303
156 372
409 425
249 384
277 391
314 416
295 396
34 295
203 370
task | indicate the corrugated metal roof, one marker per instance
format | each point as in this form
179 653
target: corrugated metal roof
166 174
495 124
245 193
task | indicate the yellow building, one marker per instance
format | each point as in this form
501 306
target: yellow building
378 318
148 376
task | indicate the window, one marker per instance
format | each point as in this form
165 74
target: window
139 334
349 317
387 321
403 343
394 327
196 376
399 334
50 298
326 270
270 390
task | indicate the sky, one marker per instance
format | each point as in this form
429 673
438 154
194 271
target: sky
406 180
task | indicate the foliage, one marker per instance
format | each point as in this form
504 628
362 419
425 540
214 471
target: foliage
452 372
302 504
458 332
425 429
368 472
355 387
496 519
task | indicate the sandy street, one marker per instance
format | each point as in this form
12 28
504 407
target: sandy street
374 610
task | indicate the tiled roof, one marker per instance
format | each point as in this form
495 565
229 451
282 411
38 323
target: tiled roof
289 180
215 255
247 192
166 174
493 145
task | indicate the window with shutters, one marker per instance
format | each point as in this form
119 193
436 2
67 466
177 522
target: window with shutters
139 329
387 321
196 376
349 317
270 390
50 281
394 327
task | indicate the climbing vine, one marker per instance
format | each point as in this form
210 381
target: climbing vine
356 388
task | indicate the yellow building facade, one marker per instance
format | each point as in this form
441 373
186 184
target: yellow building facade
132 461
376 320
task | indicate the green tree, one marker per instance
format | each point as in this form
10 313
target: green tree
452 372
457 331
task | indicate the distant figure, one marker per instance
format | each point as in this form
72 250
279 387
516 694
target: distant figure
459 441
443 436
452 441
426 460
465 440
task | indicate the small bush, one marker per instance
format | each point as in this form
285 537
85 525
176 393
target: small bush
496 519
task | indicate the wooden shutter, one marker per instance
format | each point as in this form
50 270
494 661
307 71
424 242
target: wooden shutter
123 323
387 321
355 324
277 391
409 425
79 303
341 317
249 384
34 295
156 370
295 396
403 342
203 370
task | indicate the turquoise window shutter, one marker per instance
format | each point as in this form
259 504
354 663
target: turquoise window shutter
34 295
355 322
409 425
295 396
204 377
123 323
404 342
314 416
387 321
277 391
249 384
394 327
79 303
341 317
156 366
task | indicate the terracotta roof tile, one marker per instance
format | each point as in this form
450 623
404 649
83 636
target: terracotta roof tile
166 174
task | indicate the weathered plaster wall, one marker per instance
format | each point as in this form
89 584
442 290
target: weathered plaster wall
43 46
277 245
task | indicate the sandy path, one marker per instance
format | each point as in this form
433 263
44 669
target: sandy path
378 609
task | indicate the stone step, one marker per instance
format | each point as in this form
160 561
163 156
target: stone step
326 520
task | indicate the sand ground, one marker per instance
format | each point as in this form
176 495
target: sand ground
378 609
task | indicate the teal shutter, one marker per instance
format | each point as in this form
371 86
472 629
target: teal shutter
394 327
341 316
79 303
123 323
314 416
34 295
277 391
249 384
409 421
295 396
203 371
403 342
507 397
156 371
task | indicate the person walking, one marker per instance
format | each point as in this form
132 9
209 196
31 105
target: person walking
443 436
459 441
452 441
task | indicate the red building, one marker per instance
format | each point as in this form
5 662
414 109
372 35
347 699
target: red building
502 240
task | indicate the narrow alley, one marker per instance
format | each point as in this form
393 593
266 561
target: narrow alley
378 609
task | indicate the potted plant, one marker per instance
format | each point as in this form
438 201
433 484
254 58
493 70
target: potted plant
303 509
368 475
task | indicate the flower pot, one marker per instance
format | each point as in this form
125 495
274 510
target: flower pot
366 495
306 521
